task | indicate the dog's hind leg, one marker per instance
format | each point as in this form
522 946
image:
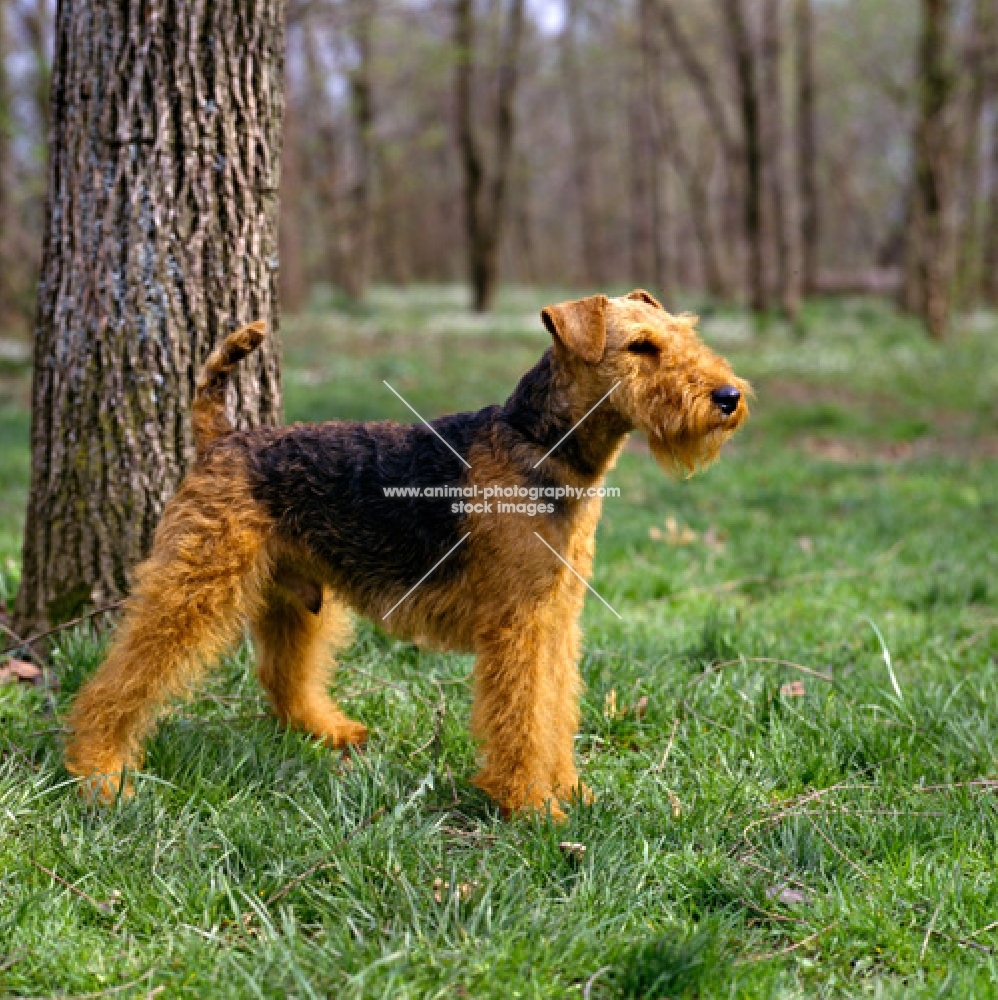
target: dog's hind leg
189 602
295 631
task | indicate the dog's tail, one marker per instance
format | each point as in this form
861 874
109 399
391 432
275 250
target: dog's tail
210 421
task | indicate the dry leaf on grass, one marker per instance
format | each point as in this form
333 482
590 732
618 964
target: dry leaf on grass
613 710
572 851
791 897
19 670
442 889
677 806
714 539
610 710
806 545
678 534
793 689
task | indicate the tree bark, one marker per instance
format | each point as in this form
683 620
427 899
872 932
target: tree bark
807 147
717 269
787 266
293 285
6 180
358 275
485 198
929 241
590 231
660 222
748 101
976 47
161 237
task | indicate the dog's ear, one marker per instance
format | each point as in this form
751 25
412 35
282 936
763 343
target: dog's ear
580 326
640 295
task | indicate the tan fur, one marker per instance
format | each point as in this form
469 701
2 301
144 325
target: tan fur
218 563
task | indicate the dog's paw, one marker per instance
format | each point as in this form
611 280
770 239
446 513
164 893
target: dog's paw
105 789
348 734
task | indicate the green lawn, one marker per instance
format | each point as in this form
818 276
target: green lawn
791 733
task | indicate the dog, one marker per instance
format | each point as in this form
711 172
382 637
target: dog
289 529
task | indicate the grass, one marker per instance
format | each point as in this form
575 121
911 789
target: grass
752 836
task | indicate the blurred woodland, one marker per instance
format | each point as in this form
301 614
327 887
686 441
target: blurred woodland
749 150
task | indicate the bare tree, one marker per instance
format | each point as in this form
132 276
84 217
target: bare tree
694 171
361 77
161 236
807 146
929 238
659 221
290 229
744 56
787 266
977 58
485 196
583 143
6 180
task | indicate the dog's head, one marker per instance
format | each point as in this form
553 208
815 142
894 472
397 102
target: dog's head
660 377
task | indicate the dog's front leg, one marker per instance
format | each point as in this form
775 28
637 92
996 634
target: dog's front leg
525 713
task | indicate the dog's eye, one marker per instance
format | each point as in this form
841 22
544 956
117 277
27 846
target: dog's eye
647 347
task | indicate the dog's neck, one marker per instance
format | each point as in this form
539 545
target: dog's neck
545 407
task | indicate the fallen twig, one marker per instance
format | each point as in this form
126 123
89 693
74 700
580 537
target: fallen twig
786 951
103 907
668 749
21 643
717 667
298 879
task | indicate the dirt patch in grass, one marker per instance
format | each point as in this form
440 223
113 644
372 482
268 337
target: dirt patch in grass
851 451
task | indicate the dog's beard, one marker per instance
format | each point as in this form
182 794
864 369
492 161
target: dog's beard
684 454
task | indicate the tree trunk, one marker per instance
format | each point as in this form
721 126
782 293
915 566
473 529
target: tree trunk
293 285
787 267
989 263
590 231
36 21
161 237
975 57
717 270
929 242
748 101
660 222
807 147
485 201
362 105
6 180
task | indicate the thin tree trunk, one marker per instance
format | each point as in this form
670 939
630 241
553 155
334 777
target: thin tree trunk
979 61
6 180
807 147
362 104
291 235
989 283
640 230
485 201
37 24
787 267
748 101
929 243
583 146
660 221
161 237
717 270
989 263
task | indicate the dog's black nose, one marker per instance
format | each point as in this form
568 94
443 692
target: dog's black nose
726 399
